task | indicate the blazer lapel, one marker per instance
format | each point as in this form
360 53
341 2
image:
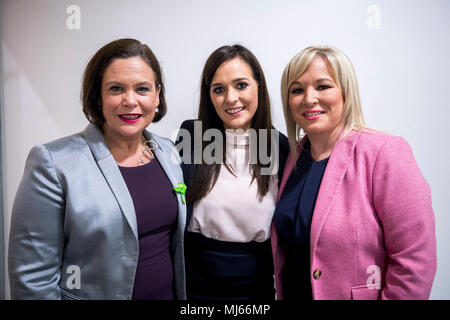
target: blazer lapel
111 172
164 158
340 159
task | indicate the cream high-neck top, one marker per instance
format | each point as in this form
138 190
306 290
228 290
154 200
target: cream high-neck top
233 210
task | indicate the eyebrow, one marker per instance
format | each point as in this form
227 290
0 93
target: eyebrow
318 80
144 83
137 84
234 81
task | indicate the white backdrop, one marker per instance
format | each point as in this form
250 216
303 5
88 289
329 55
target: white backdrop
399 50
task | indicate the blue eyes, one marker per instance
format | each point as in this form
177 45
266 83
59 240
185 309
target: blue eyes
239 86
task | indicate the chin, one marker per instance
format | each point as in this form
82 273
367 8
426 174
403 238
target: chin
131 132
309 130
239 125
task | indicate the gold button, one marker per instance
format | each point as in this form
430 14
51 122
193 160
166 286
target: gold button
316 274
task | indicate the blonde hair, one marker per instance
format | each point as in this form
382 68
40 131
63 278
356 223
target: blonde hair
345 77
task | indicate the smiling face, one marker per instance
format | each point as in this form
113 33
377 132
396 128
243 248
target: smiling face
316 102
234 94
129 98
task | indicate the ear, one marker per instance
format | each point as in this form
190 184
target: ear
158 91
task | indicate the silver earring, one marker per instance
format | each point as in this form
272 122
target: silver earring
156 109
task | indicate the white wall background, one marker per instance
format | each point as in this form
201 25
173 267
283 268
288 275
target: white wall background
401 60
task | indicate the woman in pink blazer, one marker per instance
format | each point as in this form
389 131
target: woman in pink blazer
354 217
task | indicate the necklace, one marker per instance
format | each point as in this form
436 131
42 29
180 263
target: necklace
147 152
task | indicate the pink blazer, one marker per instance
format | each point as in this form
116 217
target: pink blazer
373 229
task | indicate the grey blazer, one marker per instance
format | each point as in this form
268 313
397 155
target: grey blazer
73 227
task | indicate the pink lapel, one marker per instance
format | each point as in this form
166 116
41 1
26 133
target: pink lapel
340 158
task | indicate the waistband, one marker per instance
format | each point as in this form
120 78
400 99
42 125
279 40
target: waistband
197 240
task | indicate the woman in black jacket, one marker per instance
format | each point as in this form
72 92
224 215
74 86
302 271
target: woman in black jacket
232 160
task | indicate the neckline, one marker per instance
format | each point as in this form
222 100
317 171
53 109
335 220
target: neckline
237 139
137 167
307 150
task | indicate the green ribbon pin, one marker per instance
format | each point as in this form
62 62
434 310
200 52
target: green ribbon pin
181 189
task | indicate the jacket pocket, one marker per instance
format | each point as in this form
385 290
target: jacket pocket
364 293
69 296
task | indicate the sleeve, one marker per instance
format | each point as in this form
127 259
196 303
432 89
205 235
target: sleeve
37 233
183 144
402 199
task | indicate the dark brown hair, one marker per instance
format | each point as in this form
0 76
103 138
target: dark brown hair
204 176
95 69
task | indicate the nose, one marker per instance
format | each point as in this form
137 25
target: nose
231 96
310 97
130 98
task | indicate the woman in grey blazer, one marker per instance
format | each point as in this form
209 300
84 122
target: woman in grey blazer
101 214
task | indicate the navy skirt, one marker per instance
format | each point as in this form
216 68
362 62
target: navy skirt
222 270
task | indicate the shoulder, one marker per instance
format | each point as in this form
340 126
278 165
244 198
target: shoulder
283 152
283 145
373 141
64 142
376 147
186 130
61 146
50 159
188 124
284 141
